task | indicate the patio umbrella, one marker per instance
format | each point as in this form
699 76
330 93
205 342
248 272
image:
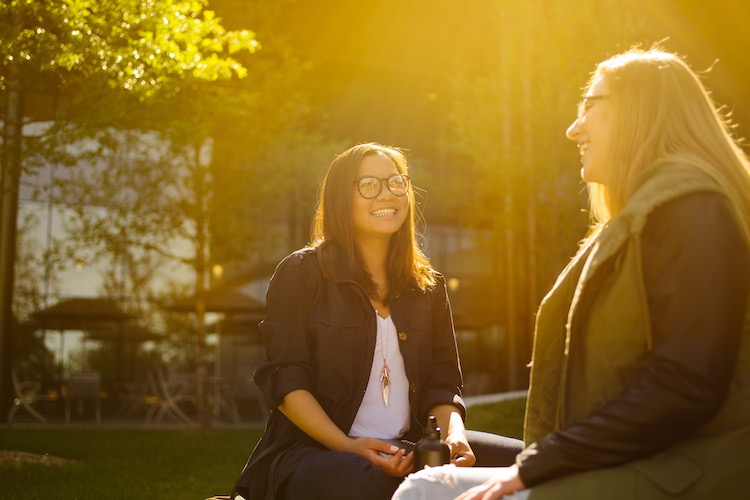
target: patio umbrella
237 324
129 332
80 313
127 336
219 300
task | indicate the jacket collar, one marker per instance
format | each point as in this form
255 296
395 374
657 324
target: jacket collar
656 186
341 270
345 275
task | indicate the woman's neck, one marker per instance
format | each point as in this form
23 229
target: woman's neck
375 255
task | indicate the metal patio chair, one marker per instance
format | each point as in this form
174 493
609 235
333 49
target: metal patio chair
169 394
27 393
84 385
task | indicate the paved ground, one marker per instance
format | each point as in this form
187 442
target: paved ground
117 422
19 458
137 421
493 398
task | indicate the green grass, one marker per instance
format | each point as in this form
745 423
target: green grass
126 463
505 418
163 464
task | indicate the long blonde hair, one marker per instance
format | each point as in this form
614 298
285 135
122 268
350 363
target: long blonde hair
661 112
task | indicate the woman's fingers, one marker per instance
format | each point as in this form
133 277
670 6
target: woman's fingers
387 457
461 453
393 465
463 460
507 481
482 492
406 465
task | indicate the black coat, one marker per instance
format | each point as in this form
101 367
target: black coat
319 335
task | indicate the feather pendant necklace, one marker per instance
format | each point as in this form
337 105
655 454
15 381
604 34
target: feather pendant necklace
385 372
385 382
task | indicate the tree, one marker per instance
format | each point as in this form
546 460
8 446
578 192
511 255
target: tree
34 274
86 54
201 185
508 119
143 201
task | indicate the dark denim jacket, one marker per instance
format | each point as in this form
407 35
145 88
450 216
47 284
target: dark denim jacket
319 335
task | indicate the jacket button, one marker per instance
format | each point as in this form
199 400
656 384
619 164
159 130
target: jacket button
402 336
412 387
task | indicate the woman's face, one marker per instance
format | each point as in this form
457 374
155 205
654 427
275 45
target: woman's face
592 130
384 214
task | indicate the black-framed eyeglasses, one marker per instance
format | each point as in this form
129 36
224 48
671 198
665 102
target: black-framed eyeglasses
371 187
588 102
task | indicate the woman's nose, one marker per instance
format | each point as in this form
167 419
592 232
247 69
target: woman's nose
385 192
573 131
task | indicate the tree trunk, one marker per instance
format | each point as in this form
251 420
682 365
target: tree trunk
9 182
201 364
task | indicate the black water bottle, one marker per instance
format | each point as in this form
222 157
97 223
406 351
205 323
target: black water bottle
431 450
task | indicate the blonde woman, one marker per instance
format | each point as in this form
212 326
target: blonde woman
640 382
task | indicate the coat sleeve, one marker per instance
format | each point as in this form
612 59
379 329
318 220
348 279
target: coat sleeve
287 363
446 381
696 269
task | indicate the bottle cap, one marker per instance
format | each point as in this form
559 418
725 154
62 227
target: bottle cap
432 426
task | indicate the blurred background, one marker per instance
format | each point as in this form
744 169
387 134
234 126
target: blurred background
158 162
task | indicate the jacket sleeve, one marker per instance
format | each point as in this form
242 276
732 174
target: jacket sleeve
445 382
696 270
287 362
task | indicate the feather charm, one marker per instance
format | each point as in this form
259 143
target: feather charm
385 382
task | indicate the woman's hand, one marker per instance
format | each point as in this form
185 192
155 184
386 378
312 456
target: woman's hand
507 481
387 457
305 412
454 433
461 453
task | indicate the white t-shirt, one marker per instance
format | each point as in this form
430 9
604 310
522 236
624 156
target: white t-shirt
375 419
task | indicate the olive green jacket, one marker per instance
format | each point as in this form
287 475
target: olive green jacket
605 350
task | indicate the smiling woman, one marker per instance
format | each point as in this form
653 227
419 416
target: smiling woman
360 347
592 131
378 213
640 374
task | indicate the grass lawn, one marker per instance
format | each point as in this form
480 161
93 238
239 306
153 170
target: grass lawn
164 464
505 418
125 463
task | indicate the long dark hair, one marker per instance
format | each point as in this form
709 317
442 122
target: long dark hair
333 229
